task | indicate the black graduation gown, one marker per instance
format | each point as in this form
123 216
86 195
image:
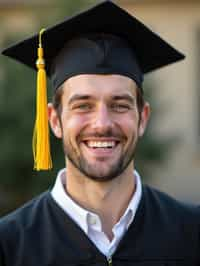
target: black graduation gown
164 232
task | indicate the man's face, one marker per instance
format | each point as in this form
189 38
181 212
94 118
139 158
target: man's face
99 124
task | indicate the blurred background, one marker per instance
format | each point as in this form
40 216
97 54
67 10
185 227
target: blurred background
168 156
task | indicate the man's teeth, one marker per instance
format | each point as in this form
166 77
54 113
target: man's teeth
101 144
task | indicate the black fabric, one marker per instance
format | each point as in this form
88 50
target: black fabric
150 51
164 232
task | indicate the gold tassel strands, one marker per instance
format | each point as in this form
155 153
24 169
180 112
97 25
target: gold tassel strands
41 143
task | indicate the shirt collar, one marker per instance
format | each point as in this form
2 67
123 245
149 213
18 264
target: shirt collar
130 212
76 212
82 216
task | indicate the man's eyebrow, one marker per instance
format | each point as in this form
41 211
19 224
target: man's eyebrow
126 97
79 97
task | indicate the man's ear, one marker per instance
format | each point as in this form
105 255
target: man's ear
54 121
144 118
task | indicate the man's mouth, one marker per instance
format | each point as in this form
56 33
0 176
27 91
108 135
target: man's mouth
101 144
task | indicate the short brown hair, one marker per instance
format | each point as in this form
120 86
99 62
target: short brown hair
56 99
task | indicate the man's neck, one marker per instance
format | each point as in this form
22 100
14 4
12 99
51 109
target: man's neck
108 200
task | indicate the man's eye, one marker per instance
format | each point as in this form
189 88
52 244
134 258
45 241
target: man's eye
120 107
83 107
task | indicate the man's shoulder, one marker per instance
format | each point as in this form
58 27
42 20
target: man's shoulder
24 215
168 205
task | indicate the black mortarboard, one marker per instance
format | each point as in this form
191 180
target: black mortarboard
104 39
133 50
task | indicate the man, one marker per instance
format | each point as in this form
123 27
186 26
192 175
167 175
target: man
98 213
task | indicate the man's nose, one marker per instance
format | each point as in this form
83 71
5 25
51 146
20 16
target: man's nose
102 118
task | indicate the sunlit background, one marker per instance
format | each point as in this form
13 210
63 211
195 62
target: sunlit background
169 155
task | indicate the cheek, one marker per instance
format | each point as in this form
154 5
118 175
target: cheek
131 129
72 126
129 124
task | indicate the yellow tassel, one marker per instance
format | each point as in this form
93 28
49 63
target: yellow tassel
41 143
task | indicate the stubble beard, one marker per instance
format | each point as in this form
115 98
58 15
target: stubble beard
94 173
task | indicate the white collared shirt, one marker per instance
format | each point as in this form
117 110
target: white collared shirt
90 222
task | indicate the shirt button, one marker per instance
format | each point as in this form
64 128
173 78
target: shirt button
92 220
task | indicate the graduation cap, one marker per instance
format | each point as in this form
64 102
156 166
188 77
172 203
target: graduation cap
104 39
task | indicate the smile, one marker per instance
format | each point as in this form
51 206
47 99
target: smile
101 149
101 144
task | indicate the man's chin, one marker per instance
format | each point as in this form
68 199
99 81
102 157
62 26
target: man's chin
100 178
101 175
100 171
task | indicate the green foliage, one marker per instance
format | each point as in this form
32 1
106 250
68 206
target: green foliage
17 112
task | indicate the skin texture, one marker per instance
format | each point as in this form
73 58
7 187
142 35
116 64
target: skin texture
100 108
